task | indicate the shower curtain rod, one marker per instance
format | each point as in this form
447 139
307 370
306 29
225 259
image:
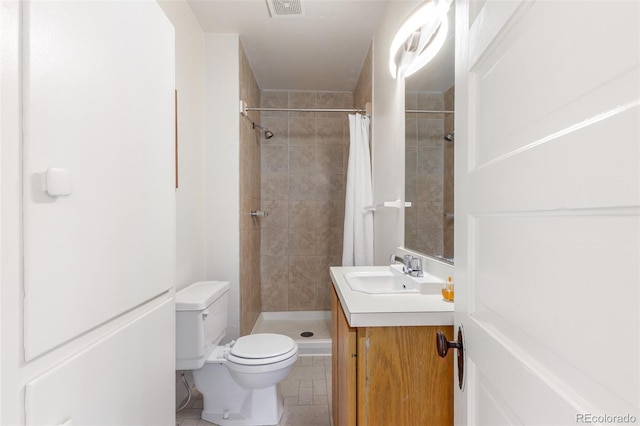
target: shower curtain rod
409 111
244 109
307 109
427 111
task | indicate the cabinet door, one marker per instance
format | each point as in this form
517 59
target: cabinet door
124 378
98 109
401 378
343 372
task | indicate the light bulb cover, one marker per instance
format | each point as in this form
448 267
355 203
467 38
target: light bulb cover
429 22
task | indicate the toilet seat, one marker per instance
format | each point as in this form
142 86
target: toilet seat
261 349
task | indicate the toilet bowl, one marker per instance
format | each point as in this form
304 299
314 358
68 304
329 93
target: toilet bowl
260 360
241 390
238 381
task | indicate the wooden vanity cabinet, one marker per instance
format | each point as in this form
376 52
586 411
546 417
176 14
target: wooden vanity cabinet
343 366
384 376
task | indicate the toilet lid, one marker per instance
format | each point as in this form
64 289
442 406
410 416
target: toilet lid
262 345
232 359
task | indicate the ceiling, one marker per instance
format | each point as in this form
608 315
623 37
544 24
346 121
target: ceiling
322 50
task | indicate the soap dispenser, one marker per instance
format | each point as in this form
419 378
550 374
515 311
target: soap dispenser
447 290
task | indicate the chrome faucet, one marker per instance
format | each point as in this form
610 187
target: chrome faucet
411 265
406 261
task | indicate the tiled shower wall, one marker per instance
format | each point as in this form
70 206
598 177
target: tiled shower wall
249 200
424 180
363 92
303 180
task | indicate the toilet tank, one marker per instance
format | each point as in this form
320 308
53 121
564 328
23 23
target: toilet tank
201 322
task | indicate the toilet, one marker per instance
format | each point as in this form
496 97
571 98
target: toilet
238 381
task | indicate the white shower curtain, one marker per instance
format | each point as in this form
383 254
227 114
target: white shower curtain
357 248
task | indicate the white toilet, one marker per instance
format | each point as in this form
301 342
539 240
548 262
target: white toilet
238 381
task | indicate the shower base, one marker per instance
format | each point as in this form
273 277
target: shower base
296 323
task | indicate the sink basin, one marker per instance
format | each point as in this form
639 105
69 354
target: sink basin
378 283
388 282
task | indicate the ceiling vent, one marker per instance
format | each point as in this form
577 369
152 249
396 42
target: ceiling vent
285 8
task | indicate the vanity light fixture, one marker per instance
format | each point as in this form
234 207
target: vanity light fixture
419 38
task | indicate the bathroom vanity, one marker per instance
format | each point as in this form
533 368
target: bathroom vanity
385 367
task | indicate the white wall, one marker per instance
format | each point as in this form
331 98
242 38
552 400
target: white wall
190 195
222 156
190 218
207 81
388 121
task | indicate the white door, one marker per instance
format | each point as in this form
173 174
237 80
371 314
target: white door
547 209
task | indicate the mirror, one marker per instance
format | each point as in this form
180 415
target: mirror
429 222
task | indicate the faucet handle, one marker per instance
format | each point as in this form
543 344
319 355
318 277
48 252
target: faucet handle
416 267
416 264
407 263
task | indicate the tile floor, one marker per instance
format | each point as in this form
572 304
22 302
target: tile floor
306 392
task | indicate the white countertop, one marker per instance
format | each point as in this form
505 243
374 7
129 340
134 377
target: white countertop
381 310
